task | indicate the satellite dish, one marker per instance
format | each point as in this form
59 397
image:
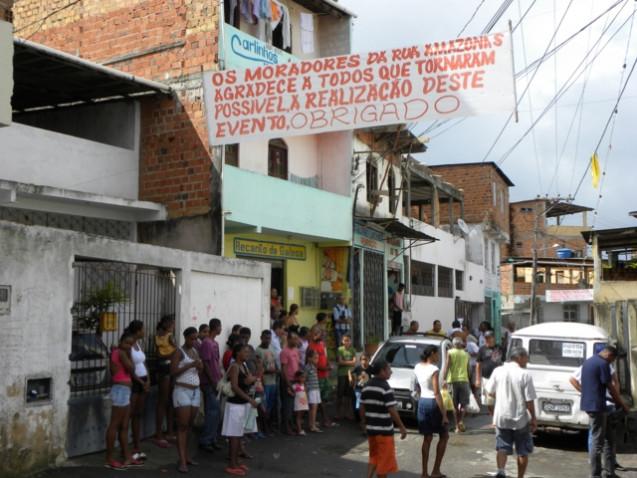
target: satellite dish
463 226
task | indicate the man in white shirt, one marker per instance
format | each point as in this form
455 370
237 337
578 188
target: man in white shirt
514 414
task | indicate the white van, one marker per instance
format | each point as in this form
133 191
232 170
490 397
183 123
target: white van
556 350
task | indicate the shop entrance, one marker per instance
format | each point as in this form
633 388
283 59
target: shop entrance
277 281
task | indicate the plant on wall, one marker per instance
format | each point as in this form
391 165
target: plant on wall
90 311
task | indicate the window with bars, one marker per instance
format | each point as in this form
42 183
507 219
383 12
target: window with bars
423 278
371 181
459 280
445 282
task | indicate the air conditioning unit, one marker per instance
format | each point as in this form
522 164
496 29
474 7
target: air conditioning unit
310 297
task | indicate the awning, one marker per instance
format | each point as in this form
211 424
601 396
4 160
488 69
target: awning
565 208
607 239
49 78
397 229
77 203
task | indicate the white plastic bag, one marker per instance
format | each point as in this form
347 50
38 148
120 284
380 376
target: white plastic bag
473 407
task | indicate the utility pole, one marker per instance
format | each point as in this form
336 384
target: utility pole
533 309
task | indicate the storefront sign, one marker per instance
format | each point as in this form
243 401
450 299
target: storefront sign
369 239
576 295
276 250
460 77
245 51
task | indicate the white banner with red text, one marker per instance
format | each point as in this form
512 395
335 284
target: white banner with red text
440 80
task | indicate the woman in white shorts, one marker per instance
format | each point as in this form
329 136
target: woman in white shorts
313 388
237 407
185 368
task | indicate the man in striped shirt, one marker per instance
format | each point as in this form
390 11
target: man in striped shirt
379 415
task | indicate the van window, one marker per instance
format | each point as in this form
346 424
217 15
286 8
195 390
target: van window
559 353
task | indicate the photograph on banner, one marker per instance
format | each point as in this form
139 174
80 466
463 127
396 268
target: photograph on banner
461 77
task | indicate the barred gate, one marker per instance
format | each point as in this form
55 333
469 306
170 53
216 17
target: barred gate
374 296
107 297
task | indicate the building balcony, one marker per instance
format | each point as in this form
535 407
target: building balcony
254 202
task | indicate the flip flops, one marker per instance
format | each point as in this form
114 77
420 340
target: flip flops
238 471
115 465
161 443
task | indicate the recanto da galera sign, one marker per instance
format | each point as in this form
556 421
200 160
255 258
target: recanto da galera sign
462 77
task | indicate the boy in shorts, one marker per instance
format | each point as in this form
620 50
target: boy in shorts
379 415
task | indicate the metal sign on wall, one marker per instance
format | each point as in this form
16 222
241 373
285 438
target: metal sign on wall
460 77
273 250
245 51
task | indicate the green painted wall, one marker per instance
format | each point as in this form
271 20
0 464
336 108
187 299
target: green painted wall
257 200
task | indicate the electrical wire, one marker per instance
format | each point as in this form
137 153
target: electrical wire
522 17
528 85
531 67
581 112
524 57
473 15
566 86
613 112
614 120
42 20
487 29
567 40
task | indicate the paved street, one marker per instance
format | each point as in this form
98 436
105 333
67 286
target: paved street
343 452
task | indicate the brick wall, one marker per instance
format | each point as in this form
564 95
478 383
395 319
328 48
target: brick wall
522 222
171 42
476 180
523 215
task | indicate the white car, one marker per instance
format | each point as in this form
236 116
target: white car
403 353
556 351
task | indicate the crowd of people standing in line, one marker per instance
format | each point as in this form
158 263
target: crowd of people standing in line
281 385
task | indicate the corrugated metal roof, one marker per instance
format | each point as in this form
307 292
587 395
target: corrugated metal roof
48 78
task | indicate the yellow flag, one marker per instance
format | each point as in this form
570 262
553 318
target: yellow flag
595 169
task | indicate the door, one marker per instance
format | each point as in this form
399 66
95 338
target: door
373 297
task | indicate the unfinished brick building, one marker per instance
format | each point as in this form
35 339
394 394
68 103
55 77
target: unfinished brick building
170 42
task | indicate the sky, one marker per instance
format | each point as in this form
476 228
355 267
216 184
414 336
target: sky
552 159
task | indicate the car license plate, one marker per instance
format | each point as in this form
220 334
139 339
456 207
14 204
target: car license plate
556 407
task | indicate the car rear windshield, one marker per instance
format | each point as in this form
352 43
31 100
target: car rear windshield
560 353
401 355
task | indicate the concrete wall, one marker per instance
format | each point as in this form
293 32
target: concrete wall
114 123
325 157
36 339
6 72
448 251
363 207
37 156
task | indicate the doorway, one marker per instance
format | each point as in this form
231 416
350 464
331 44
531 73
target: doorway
277 281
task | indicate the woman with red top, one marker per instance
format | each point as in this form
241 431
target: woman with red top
122 370
323 366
